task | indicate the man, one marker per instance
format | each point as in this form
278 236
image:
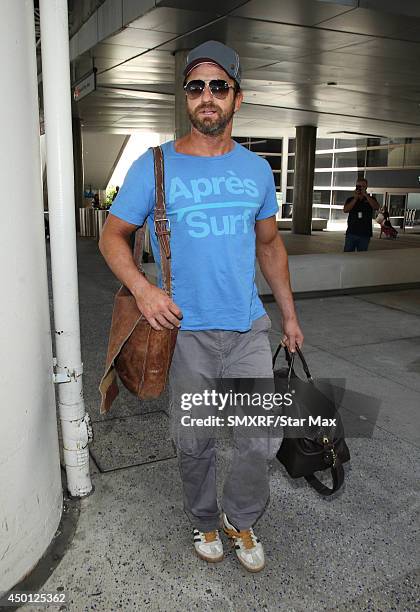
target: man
221 203
359 222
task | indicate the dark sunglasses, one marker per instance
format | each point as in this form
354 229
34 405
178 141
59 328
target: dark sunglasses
218 88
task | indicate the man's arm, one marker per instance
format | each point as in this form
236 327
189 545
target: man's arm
272 257
159 310
372 201
351 203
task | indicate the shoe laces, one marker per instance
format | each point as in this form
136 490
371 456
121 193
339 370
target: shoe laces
246 535
210 536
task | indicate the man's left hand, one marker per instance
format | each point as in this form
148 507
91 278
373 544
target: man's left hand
292 334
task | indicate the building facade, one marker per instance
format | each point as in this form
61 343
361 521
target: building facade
391 167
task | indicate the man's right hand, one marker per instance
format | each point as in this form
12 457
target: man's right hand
155 305
158 308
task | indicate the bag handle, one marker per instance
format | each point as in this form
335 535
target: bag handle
337 473
161 223
291 358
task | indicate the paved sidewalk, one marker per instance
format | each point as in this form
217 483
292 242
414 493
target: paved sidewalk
359 551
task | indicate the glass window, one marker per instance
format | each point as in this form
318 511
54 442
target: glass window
290 179
396 156
291 162
337 214
377 157
379 196
287 210
292 145
323 160
412 215
361 143
351 159
339 197
274 161
412 155
325 143
289 196
321 197
375 142
321 213
322 179
266 145
396 204
345 179
413 201
348 143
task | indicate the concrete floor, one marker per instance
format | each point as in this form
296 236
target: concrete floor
358 551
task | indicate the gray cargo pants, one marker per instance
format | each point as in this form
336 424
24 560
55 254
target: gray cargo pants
202 356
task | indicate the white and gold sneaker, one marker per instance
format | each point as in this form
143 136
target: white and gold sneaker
208 545
247 546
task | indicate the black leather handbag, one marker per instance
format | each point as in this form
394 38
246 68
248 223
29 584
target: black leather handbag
318 442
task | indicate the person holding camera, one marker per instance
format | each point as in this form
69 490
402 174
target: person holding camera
359 224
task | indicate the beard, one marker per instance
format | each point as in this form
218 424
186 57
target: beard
211 126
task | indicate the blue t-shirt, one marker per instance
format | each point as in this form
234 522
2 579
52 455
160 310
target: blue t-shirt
212 204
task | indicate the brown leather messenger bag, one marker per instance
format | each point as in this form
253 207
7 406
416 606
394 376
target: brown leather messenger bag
139 354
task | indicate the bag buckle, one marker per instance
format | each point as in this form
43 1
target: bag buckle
167 228
330 447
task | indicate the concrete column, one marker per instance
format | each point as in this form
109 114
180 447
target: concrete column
78 167
182 122
31 495
284 162
304 179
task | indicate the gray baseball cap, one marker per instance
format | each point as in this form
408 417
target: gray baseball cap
217 53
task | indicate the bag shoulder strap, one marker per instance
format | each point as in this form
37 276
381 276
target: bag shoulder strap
161 223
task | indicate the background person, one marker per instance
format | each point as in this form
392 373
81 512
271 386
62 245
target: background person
96 203
359 223
385 223
117 188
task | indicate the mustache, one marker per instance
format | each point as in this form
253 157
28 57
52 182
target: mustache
210 107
